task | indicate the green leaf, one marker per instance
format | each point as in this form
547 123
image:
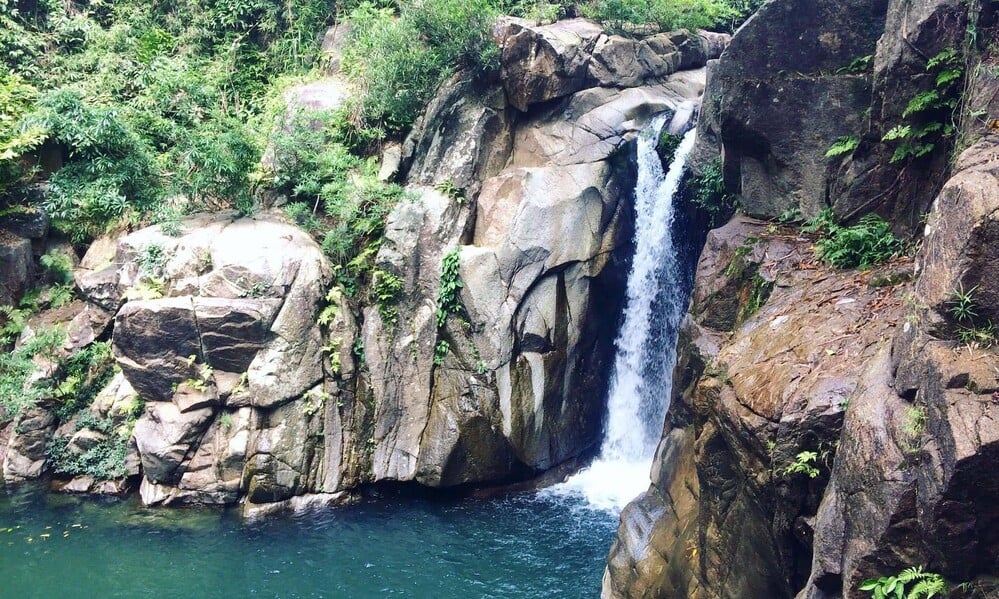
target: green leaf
843 145
948 76
921 102
897 132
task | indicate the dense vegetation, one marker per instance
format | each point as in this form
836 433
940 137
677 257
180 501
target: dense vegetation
132 111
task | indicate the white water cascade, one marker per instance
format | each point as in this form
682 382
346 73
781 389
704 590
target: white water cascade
646 344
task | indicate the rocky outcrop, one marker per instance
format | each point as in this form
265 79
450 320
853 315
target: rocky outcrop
725 517
541 234
263 382
22 238
783 103
548 62
217 334
911 482
893 387
796 80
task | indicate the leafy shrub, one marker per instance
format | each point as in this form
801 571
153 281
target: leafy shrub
928 116
708 192
58 266
314 165
395 73
85 373
146 101
217 161
865 244
626 16
398 61
16 100
924 585
109 171
105 460
16 367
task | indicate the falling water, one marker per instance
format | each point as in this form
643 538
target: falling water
646 344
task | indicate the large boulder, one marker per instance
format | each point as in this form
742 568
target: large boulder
541 233
16 266
218 329
541 63
912 482
26 456
785 98
725 517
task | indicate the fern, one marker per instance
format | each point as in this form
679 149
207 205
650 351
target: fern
948 76
921 102
925 585
948 56
897 132
843 145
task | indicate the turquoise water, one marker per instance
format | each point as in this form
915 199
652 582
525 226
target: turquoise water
519 547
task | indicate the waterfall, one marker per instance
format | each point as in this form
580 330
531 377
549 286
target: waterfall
646 344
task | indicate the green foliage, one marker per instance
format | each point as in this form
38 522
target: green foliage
441 350
151 260
865 244
314 162
538 11
146 101
842 146
972 328
314 401
629 16
759 293
913 427
14 321
452 191
911 583
16 100
217 163
16 369
105 459
448 301
387 288
666 148
58 266
929 114
84 374
109 171
397 61
963 306
858 65
709 192
804 463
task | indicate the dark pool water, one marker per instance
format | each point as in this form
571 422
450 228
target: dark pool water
521 547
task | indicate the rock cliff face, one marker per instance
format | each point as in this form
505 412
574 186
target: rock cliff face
874 372
263 382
